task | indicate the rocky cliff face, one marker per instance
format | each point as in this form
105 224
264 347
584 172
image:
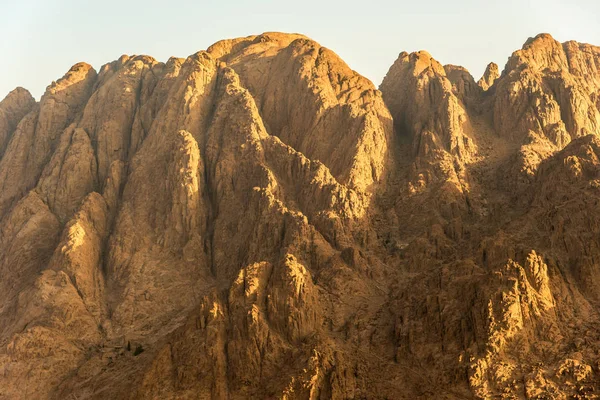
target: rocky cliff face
259 221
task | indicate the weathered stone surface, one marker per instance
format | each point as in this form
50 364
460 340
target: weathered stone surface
12 110
490 76
421 100
259 221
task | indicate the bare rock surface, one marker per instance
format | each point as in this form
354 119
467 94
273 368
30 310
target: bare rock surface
259 221
490 76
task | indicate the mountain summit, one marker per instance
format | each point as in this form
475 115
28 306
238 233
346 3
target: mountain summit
259 221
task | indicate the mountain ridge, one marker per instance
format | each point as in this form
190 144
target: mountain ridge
258 221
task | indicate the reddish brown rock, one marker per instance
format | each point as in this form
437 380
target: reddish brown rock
258 221
489 77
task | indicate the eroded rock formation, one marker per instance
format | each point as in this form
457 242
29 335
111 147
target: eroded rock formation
259 221
490 76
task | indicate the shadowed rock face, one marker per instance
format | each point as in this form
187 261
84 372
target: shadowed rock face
258 221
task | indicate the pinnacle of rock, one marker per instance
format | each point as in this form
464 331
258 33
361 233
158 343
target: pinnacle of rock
257 220
489 76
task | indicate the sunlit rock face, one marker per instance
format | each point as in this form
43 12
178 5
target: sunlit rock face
259 221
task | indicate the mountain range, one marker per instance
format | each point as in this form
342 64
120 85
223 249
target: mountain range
260 221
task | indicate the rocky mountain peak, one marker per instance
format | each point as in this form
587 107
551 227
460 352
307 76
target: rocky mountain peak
489 76
540 53
13 108
257 220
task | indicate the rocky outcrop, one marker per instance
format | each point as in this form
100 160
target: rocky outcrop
36 136
424 106
545 98
489 77
258 221
463 85
13 108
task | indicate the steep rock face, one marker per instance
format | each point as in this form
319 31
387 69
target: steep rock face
235 179
36 136
254 222
422 103
273 313
463 84
547 96
490 76
304 91
517 328
545 311
12 110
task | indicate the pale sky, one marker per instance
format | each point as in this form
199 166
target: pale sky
41 39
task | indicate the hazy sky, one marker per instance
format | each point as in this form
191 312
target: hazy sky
41 39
